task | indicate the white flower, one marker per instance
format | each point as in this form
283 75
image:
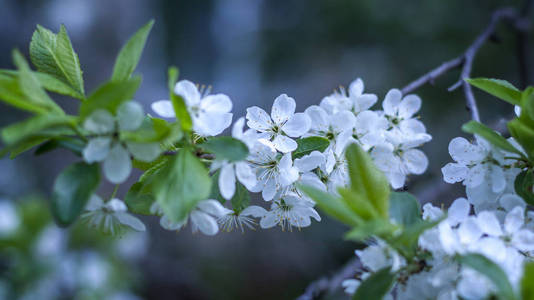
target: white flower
379 256
355 100
273 171
232 170
241 219
350 285
290 211
107 148
369 129
110 216
398 158
474 163
210 113
203 217
399 111
330 126
9 219
282 125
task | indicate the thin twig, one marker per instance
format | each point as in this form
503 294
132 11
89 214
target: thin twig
521 23
465 61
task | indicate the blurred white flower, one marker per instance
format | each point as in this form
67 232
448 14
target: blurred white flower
110 217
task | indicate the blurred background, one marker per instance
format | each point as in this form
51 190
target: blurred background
251 50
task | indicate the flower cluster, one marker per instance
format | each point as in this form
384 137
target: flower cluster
492 221
276 164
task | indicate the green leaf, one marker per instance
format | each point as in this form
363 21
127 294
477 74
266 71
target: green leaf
49 83
225 147
332 205
72 189
524 135
215 192
404 208
523 184
406 242
241 198
492 271
131 53
138 199
30 86
34 126
490 135
378 227
501 89
180 109
527 288
72 144
173 78
110 96
53 54
359 205
366 181
153 130
307 145
12 94
181 185
26 145
375 286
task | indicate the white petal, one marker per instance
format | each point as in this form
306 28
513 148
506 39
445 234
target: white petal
100 122
283 108
254 211
269 190
463 152
415 160
356 87
469 232
396 180
498 181
269 220
524 240
116 205
319 118
237 129
510 201
258 119
514 220
117 166
130 115
489 224
412 126
453 172
213 207
204 222
284 144
188 91
297 125
364 102
163 108
310 161
212 123
458 211
227 181
343 120
130 221
475 176
517 110
409 106
97 149
288 177
245 174
146 152
391 102
216 103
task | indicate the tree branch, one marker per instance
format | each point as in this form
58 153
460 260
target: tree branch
465 61
520 23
